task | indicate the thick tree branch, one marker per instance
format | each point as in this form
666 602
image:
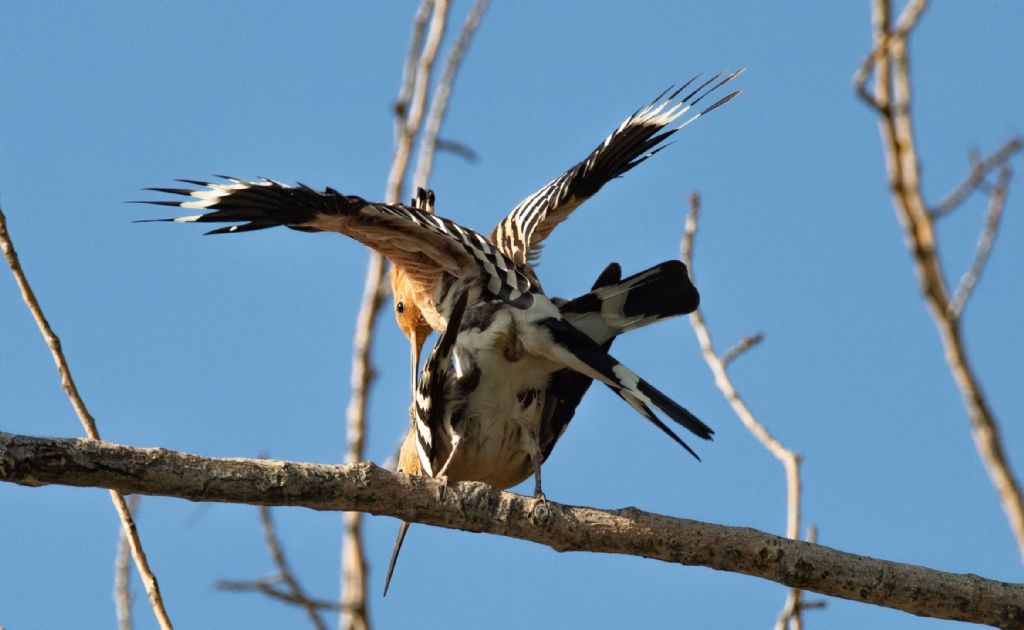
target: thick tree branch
476 507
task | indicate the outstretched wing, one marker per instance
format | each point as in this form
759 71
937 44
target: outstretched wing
423 245
520 235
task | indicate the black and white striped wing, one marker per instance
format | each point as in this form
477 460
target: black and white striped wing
521 233
420 243
436 395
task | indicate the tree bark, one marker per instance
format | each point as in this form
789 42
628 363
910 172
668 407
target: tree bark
476 507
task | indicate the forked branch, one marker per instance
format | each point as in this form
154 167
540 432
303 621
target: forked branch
888 63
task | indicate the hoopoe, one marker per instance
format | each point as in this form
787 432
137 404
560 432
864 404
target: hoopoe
448 408
438 262
511 317
521 233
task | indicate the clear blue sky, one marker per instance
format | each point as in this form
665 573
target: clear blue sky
233 346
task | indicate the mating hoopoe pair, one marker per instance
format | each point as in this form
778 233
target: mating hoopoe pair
511 365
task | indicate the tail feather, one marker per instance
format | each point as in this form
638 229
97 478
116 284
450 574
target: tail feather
575 350
566 387
657 293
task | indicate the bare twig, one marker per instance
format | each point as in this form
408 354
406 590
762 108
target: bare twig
294 593
419 28
745 344
882 41
439 101
413 94
68 384
268 587
458 148
718 364
996 203
477 507
890 66
353 562
411 103
285 571
122 574
979 170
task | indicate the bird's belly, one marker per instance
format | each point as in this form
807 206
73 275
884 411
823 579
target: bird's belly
502 423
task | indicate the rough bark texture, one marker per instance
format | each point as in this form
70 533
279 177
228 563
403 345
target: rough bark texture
477 507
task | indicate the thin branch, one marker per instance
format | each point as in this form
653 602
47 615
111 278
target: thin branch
996 204
294 594
419 27
411 100
267 586
718 364
458 148
415 84
883 40
122 574
68 384
439 101
891 100
976 178
477 507
353 561
745 344
285 571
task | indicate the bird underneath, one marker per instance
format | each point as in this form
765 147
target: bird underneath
459 433
509 326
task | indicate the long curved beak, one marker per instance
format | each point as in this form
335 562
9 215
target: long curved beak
415 348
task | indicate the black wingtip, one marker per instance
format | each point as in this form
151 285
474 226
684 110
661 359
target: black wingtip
722 101
194 182
184 192
170 204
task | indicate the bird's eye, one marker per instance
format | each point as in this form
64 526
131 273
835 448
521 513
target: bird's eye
400 307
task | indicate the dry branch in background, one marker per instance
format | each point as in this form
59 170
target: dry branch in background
68 384
889 64
476 507
122 573
408 109
293 593
442 93
791 615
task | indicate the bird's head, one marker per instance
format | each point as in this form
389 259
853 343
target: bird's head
409 317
